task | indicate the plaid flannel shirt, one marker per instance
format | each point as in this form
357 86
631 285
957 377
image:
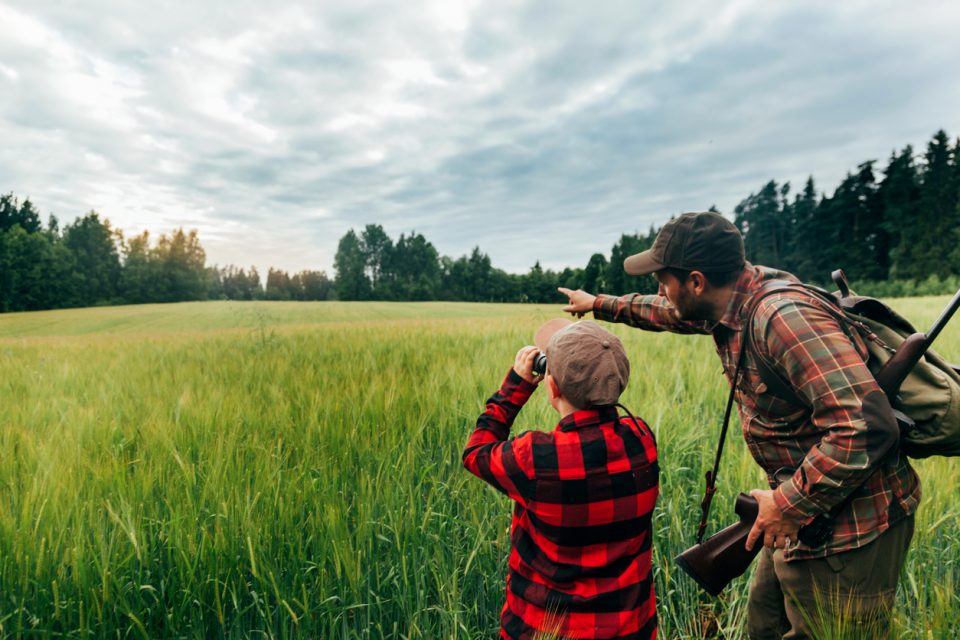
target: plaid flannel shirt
838 443
579 564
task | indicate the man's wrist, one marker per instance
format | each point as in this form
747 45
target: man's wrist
604 307
793 504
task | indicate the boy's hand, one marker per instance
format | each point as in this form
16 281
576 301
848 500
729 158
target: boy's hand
580 301
523 364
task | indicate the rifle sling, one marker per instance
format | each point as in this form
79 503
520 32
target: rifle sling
711 476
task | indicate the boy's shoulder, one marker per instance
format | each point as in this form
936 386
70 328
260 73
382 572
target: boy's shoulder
577 453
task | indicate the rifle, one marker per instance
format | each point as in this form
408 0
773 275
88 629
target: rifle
895 370
716 561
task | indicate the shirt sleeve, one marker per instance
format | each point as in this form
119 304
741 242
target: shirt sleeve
848 408
505 463
650 312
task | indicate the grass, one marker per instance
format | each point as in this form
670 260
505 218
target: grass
293 469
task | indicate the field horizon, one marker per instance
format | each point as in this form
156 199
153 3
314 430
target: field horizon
291 469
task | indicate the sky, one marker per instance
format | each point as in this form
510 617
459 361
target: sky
534 130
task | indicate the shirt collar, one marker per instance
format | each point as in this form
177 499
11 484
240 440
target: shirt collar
746 284
588 418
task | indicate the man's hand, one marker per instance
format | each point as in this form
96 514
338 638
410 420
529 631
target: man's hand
580 301
778 531
523 364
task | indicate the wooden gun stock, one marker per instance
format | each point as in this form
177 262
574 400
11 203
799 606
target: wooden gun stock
723 556
895 370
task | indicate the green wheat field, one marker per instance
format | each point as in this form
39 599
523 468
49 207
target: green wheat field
230 469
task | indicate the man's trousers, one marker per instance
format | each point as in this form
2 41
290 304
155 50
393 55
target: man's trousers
847 595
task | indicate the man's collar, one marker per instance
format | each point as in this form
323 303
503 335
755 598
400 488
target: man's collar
744 287
587 418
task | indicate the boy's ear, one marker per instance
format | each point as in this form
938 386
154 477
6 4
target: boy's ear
552 386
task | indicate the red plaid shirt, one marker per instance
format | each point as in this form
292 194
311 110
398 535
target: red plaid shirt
581 531
837 443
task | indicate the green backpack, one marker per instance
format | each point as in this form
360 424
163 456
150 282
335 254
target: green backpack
928 402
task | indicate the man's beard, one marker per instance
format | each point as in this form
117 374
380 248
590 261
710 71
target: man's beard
688 308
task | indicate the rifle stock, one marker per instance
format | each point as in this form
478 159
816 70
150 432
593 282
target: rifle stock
723 556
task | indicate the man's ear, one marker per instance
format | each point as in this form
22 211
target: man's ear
698 282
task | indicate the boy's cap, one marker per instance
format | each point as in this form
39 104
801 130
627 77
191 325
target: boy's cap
589 364
705 242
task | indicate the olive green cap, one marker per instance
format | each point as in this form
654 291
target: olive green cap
705 242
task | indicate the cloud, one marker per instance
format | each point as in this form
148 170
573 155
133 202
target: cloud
536 130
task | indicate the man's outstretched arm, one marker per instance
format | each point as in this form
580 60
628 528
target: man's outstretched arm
650 312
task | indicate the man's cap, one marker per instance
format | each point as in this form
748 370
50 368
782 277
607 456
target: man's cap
705 242
588 362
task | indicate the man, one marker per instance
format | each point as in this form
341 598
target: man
580 555
834 453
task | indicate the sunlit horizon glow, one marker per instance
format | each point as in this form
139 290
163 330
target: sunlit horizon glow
535 131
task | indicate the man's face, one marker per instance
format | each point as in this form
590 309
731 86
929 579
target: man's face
681 295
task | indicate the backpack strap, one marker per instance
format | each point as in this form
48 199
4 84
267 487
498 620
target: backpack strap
776 384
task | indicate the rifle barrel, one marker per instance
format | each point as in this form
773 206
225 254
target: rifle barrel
944 318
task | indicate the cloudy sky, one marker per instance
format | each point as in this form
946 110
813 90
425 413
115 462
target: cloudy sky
536 130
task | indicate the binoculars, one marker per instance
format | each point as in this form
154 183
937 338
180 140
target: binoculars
540 364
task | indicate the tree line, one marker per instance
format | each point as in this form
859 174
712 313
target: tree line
370 266
89 263
894 231
899 224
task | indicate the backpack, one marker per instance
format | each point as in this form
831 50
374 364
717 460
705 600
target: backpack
928 403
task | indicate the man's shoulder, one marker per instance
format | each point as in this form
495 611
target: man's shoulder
776 295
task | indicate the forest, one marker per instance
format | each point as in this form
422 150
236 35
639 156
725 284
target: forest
893 230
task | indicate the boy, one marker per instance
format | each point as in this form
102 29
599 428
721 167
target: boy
581 534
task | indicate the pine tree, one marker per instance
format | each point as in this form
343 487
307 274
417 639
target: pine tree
96 260
900 193
617 280
350 265
955 253
763 223
857 241
805 241
938 203
414 269
377 248
594 275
